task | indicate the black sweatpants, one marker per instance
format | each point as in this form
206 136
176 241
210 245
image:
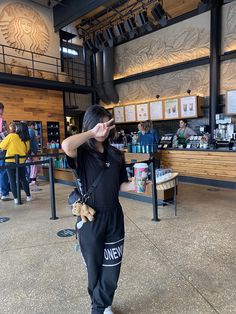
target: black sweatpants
11 172
102 243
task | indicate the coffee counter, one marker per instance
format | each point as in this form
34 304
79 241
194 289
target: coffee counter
146 197
213 167
65 176
216 167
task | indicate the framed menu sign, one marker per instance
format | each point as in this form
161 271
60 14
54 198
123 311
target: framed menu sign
231 102
171 108
156 110
188 107
119 114
142 112
130 113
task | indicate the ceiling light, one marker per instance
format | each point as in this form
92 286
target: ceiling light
88 44
141 18
131 27
142 22
109 36
159 14
119 29
130 24
100 41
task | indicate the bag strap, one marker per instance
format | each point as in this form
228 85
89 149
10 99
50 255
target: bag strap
93 186
95 183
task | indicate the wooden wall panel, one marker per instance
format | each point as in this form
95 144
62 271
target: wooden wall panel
201 164
23 103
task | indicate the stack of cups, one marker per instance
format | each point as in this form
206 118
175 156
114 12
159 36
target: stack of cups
140 175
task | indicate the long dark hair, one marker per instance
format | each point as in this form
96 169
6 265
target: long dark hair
22 131
94 115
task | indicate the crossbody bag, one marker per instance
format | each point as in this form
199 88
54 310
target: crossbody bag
78 198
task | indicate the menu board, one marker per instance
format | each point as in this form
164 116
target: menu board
171 108
231 102
156 110
119 114
142 112
188 107
130 113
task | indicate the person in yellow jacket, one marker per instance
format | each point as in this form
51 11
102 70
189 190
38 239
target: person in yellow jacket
17 144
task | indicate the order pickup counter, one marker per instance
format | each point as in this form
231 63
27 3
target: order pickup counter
64 175
164 195
211 167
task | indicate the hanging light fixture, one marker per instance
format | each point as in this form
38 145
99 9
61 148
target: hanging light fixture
109 36
131 27
159 14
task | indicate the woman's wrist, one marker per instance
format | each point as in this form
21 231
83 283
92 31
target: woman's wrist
90 134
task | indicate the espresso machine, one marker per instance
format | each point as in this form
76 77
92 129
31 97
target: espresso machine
224 132
232 144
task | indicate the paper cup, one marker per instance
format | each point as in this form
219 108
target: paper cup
140 185
141 175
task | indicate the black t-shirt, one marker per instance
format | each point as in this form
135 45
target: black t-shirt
105 195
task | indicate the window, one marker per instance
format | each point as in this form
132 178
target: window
69 51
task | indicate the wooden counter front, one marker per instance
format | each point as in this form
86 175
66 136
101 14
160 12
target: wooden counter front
136 157
215 165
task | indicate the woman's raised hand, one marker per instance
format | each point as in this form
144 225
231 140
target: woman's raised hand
103 129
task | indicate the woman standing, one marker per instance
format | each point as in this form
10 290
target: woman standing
184 132
101 240
33 150
17 144
149 135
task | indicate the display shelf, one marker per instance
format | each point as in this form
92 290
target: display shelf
53 132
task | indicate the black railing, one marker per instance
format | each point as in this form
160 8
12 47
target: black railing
36 65
152 163
17 165
49 161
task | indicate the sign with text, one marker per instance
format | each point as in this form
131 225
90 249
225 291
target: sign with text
142 112
188 107
231 102
171 108
4 219
119 114
130 113
66 233
156 110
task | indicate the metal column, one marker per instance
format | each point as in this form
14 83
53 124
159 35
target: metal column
215 51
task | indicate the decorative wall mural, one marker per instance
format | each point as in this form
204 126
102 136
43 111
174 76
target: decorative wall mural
181 42
229 27
23 28
166 85
228 76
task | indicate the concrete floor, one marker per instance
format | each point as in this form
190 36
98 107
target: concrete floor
184 264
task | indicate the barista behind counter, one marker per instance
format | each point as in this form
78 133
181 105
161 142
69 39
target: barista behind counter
184 132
